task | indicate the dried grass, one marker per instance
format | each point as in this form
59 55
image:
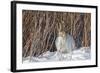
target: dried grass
40 30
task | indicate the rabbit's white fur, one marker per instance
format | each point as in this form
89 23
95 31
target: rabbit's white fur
65 43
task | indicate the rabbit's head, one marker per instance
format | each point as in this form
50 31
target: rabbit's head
61 34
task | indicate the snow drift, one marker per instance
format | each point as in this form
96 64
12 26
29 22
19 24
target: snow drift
83 53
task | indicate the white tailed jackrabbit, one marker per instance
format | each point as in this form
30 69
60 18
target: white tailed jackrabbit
65 44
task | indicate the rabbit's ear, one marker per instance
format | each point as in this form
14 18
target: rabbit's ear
60 27
63 25
58 30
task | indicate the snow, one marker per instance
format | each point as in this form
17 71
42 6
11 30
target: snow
83 53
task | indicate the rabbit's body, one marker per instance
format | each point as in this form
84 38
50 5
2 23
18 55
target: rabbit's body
60 44
65 43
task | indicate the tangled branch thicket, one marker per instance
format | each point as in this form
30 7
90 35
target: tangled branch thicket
40 30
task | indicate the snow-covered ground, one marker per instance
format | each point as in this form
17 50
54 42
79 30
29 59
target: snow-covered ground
84 53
